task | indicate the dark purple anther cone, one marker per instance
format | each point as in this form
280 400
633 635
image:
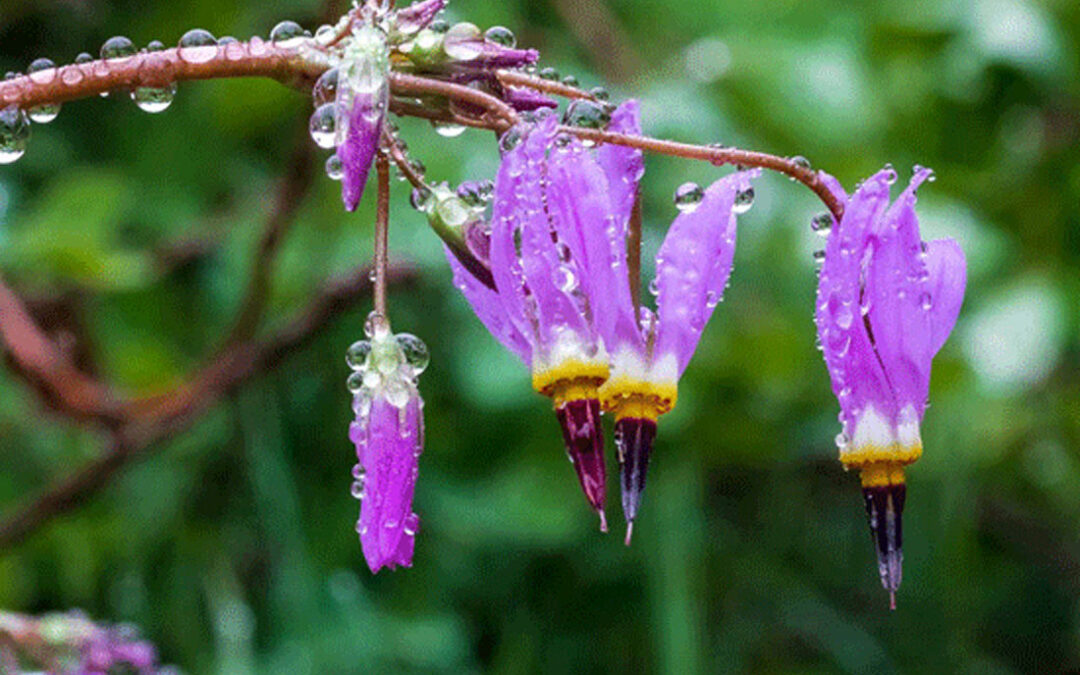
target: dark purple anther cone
884 510
584 438
634 441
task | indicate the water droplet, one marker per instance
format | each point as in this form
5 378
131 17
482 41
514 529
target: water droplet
411 524
357 354
118 48
334 168
154 99
819 256
227 40
325 34
421 199
287 34
323 127
14 134
688 196
416 352
452 211
361 403
599 93
586 114
570 81
198 46
654 287
84 57
326 87
355 382
357 489
448 130
549 73
376 325
440 26
821 224
42 71
842 440
501 35
744 199
926 302
358 471
801 162
475 193
564 278
463 42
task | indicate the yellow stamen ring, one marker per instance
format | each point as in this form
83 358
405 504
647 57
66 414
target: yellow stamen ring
571 381
628 397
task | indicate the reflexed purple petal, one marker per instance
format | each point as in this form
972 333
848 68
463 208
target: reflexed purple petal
623 166
553 283
692 269
505 222
856 373
497 56
488 308
392 442
896 286
524 99
577 197
358 151
948 278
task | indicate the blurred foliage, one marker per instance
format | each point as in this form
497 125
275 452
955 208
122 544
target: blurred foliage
233 545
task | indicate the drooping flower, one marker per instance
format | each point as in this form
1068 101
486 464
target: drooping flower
550 248
886 303
389 436
363 94
648 351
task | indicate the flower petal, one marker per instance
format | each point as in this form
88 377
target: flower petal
854 369
948 276
489 309
692 269
623 166
390 445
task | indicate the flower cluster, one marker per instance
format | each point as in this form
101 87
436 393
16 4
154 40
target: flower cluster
551 275
886 303
562 299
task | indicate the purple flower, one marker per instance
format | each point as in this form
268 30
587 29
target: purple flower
549 236
886 303
362 98
648 356
389 436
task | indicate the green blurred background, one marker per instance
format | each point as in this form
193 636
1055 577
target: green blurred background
232 546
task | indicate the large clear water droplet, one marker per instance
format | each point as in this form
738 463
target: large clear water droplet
357 354
421 199
448 130
118 48
452 211
587 114
463 42
415 351
688 196
549 73
287 34
198 46
323 125
326 86
14 134
355 383
411 525
821 224
334 168
154 99
501 35
744 199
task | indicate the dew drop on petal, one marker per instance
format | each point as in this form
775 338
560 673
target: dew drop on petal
744 199
688 196
416 352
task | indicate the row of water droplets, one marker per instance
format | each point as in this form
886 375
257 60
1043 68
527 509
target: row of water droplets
196 46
